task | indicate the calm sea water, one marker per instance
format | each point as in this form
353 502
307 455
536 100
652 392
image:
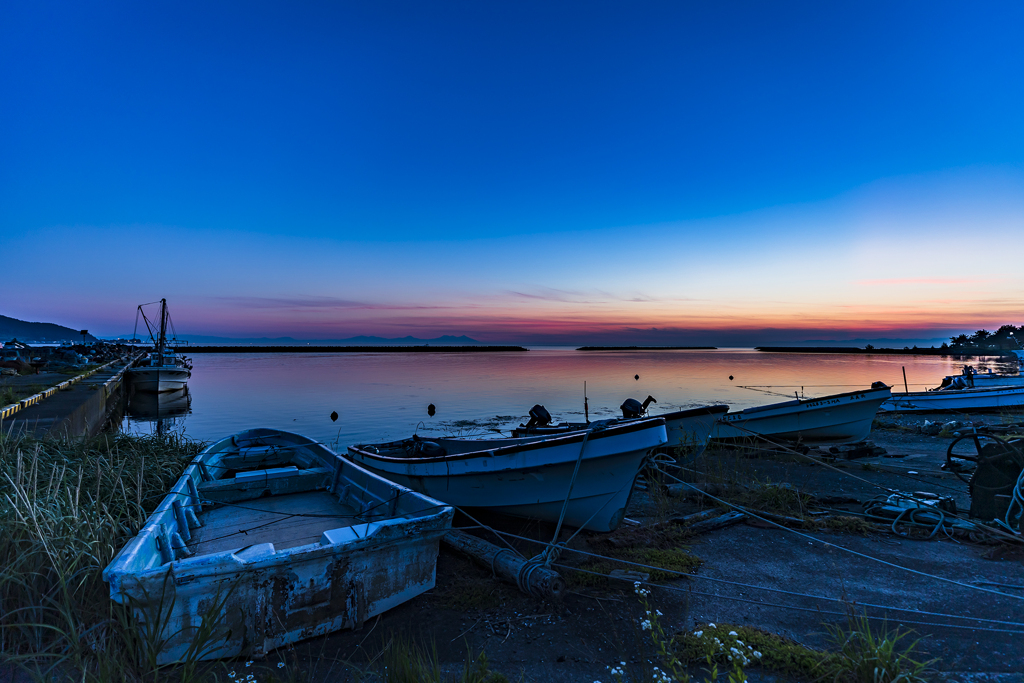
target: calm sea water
384 396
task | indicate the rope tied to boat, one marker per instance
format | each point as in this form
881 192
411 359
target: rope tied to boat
554 549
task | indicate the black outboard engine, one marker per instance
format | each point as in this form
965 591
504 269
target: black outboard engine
539 417
632 408
879 385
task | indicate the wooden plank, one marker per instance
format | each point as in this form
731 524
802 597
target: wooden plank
230 490
266 520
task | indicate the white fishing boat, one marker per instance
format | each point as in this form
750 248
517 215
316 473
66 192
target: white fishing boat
689 429
269 538
838 418
533 476
969 378
978 399
162 369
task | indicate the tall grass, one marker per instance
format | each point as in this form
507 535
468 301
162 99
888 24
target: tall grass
66 507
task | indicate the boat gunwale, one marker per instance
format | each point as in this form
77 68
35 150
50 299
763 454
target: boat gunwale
542 441
972 391
756 412
119 570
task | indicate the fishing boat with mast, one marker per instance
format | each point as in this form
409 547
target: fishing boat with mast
163 368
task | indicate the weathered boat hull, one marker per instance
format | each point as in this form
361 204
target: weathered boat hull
159 379
532 476
979 399
839 418
691 429
323 573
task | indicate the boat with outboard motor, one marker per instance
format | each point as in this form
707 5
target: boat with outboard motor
838 418
584 478
269 538
688 429
969 378
162 369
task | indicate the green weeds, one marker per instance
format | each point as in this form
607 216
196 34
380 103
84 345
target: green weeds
66 507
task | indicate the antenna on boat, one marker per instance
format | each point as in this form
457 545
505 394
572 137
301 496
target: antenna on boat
586 408
905 387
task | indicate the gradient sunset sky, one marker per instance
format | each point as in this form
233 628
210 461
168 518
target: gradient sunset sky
539 172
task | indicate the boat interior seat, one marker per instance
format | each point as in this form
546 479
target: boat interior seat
269 482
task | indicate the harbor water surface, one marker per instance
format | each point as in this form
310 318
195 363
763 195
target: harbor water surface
385 396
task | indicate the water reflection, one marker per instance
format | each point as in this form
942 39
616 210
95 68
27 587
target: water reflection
384 396
158 413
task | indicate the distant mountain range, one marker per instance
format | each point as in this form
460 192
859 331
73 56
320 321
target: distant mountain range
351 341
12 328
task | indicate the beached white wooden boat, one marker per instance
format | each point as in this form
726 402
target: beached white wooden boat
269 538
838 418
990 398
528 476
689 428
163 369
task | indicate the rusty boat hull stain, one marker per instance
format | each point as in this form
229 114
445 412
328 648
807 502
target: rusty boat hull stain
210 576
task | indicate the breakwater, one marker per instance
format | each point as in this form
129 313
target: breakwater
350 349
647 348
968 351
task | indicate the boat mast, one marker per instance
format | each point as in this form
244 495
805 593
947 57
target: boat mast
163 327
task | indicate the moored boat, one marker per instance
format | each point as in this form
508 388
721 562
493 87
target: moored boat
269 538
978 399
530 476
162 369
838 418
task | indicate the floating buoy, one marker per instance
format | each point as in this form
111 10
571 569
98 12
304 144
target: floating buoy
636 377
334 416
730 376
431 410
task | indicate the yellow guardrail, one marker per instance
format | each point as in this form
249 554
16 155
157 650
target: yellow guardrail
11 409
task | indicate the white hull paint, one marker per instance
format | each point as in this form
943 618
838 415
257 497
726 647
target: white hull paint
689 428
839 418
373 547
529 476
992 398
159 379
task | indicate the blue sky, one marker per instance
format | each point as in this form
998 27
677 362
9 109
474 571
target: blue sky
515 170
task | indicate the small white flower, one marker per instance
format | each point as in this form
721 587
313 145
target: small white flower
698 633
231 674
249 663
733 633
280 665
712 626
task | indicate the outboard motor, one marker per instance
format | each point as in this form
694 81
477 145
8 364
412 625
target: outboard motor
879 385
539 417
632 408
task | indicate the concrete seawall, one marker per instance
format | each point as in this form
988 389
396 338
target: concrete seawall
81 407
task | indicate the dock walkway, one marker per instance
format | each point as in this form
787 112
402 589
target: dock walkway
81 408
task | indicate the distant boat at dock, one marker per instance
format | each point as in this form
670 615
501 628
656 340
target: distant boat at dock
162 369
532 476
278 539
838 418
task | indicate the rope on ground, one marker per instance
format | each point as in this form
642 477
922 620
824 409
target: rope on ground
987 529
839 547
808 609
763 588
